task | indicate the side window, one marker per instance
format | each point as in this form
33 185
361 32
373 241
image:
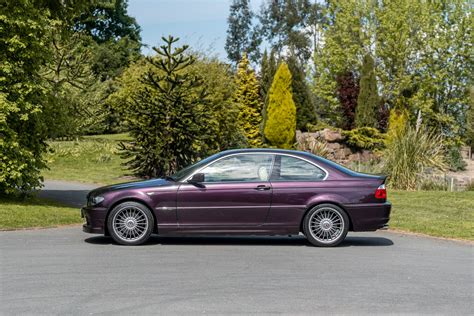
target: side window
240 168
295 169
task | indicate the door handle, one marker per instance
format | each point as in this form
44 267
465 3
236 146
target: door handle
262 187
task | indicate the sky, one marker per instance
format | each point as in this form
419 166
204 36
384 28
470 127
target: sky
202 24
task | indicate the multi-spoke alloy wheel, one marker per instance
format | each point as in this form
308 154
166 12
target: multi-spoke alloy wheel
326 225
130 223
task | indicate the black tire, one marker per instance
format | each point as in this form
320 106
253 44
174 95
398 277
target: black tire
133 225
336 232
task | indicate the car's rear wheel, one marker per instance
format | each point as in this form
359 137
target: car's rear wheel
130 223
326 225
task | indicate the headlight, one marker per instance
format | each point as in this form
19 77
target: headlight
95 200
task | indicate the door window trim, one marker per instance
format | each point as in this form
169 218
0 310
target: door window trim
230 155
274 155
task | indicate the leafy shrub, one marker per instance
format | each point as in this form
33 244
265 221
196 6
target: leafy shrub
455 160
409 153
364 138
433 184
470 187
318 127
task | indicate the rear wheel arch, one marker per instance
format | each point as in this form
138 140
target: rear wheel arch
311 206
106 229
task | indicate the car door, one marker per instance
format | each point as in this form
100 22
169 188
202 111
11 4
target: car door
294 181
236 192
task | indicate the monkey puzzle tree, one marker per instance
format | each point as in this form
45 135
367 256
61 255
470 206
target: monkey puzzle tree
167 115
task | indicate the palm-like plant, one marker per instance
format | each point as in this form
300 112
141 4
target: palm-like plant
410 152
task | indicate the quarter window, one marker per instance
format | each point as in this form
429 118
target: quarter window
295 169
239 168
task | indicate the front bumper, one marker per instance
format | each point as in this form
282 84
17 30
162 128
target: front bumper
95 219
369 217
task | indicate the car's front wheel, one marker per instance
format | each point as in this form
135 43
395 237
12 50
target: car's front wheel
326 225
130 223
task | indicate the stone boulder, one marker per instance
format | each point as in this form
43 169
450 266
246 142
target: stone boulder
331 136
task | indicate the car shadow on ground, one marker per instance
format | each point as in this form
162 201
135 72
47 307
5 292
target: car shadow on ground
350 241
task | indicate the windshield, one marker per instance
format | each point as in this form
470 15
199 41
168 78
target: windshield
185 172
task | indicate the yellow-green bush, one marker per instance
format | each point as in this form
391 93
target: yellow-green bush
364 138
280 126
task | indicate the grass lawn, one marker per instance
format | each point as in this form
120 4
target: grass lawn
35 212
435 213
92 159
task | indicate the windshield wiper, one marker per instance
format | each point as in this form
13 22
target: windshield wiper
170 178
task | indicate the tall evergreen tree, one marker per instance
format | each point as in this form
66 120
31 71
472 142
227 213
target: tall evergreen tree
168 119
347 93
368 99
470 120
239 35
267 72
248 98
280 126
305 109
286 25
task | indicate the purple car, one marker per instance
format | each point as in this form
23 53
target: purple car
247 191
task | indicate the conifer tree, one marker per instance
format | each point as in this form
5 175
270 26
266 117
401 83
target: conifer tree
280 126
470 119
248 99
267 71
168 119
305 109
368 99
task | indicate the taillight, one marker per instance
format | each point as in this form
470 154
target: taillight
381 192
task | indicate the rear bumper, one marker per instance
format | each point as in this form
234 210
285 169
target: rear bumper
94 219
369 217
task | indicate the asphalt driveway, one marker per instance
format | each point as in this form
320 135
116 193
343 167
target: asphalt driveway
64 271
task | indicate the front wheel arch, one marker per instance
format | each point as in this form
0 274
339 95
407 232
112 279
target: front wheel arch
106 229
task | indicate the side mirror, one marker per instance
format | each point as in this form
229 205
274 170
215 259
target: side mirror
197 179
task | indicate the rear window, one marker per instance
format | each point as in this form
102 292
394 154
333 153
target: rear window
294 169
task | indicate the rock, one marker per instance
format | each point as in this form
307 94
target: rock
353 157
331 135
333 146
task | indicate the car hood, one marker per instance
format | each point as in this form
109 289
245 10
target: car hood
131 185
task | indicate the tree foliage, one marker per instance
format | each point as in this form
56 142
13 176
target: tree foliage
108 20
168 116
302 96
23 51
268 68
280 126
290 25
248 100
220 85
347 93
421 49
470 120
368 99
240 36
